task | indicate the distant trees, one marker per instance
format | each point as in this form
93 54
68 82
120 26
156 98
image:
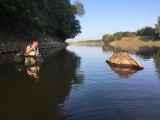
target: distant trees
107 38
147 31
118 35
128 34
55 17
157 28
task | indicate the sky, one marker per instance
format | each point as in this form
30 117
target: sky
110 16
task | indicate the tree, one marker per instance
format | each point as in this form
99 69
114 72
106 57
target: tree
118 35
140 32
128 34
147 31
107 38
157 28
79 8
54 17
104 37
19 10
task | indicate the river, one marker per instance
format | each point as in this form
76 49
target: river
77 84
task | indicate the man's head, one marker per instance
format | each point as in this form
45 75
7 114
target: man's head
35 43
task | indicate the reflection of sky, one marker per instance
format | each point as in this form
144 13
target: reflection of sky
103 92
93 62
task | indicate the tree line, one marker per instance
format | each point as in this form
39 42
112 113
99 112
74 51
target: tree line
30 17
146 31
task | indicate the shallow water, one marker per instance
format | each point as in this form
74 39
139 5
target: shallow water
77 84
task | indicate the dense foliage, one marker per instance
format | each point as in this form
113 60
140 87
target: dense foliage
107 38
157 28
147 31
54 17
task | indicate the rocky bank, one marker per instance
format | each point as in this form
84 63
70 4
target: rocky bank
21 46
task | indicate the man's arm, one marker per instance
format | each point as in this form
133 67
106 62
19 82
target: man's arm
28 49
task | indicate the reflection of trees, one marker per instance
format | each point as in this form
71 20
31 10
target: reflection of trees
147 52
68 63
22 99
4 58
144 52
108 48
156 58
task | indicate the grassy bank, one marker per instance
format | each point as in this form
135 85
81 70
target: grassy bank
134 43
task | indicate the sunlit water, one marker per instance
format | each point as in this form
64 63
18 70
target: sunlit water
77 84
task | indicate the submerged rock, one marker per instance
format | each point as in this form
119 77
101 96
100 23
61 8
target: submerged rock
124 60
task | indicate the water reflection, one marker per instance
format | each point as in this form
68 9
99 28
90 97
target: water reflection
6 57
108 48
156 58
147 52
33 71
22 99
123 72
144 52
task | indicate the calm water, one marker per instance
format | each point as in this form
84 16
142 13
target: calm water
77 84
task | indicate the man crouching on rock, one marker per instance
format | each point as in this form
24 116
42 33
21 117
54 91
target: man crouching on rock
31 53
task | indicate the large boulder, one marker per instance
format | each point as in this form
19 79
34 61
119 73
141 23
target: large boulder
124 60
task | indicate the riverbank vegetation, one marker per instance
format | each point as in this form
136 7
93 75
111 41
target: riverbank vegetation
25 19
146 36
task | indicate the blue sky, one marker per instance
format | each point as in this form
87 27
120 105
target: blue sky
110 16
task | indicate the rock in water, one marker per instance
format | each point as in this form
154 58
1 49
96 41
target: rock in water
18 58
123 59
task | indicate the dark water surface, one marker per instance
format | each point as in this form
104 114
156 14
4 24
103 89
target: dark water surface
77 84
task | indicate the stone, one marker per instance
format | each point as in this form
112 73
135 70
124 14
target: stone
124 60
